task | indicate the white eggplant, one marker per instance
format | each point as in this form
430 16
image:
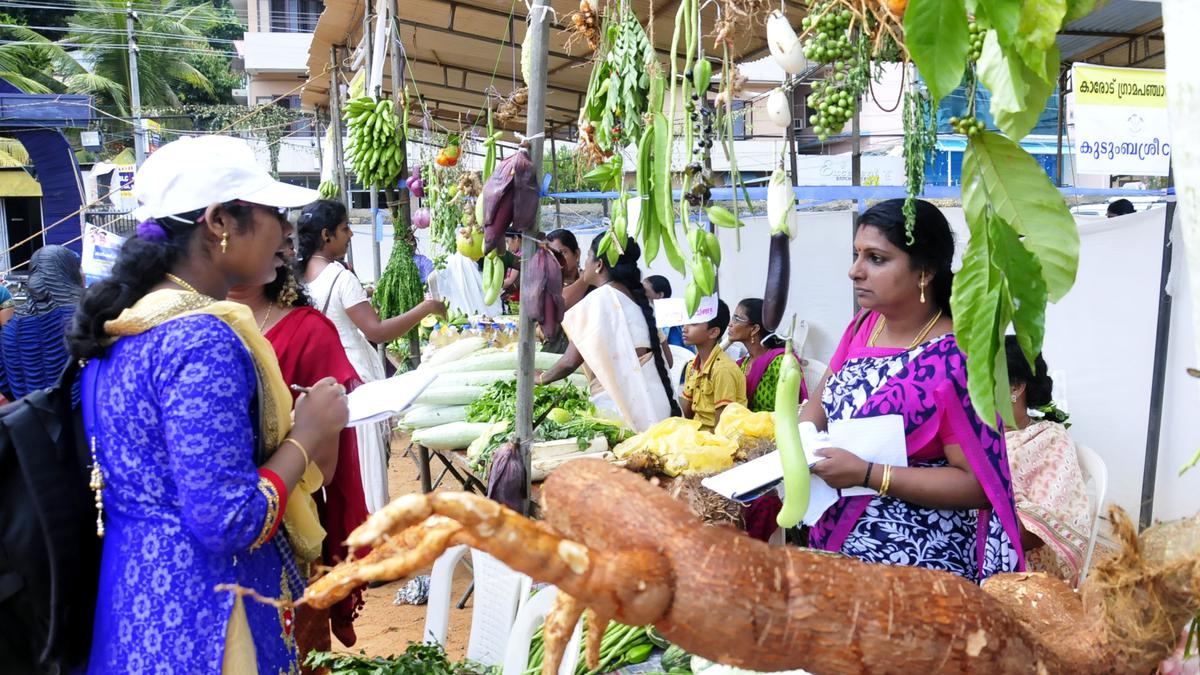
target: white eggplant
780 200
784 45
779 108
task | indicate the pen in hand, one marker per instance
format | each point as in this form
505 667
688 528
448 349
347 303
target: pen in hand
299 389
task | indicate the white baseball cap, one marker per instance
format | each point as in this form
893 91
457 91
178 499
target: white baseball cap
197 171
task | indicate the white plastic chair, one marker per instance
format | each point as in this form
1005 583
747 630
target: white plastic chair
531 616
681 357
498 597
814 370
1095 476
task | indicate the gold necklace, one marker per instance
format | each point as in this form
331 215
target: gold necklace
262 327
916 341
181 283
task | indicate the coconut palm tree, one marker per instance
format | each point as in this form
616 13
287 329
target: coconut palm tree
37 65
167 35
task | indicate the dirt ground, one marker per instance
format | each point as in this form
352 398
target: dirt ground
385 629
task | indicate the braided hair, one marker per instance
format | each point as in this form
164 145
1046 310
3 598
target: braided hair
142 264
627 273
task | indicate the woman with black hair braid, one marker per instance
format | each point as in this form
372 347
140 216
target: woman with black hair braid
613 332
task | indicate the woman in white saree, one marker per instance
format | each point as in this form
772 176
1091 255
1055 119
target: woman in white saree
613 333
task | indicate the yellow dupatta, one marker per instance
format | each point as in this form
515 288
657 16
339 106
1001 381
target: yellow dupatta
300 518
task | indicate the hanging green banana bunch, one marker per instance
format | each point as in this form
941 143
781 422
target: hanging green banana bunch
328 189
374 148
493 277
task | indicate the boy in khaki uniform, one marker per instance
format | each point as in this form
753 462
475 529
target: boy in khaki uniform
713 380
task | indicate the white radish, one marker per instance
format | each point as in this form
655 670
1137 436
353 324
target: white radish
784 45
779 108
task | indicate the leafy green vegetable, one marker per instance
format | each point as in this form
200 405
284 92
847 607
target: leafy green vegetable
1002 15
417 659
1040 21
936 34
999 177
499 404
1077 9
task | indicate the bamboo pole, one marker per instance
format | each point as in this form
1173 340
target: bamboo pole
536 37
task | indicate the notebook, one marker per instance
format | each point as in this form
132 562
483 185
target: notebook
382 399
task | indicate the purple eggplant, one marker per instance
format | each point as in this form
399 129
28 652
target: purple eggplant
417 188
778 278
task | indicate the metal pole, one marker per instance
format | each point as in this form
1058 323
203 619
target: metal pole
340 175
403 226
793 151
376 226
856 153
135 89
557 187
1062 125
537 35
1158 380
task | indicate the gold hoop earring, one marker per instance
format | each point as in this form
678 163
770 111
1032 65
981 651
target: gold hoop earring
224 242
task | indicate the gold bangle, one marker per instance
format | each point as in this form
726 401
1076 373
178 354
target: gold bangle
296 443
887 480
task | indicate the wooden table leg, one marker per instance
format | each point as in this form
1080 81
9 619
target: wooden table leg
423 465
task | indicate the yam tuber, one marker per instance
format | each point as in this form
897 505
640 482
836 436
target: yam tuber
625 549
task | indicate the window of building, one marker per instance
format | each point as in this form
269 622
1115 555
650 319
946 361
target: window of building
295 16
741 111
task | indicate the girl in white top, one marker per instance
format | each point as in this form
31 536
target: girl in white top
323 237
610 331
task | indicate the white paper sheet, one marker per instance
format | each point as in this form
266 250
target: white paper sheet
379 400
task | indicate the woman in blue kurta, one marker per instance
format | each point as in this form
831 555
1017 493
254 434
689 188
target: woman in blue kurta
206 481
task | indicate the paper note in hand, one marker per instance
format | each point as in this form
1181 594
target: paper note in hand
382 399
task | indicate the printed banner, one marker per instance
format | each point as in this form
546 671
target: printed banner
1120 119
100 249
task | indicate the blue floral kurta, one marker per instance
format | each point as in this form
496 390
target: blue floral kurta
176 434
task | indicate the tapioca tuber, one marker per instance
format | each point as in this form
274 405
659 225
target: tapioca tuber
626 550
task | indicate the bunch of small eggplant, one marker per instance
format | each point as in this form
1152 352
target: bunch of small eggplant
541 291
416 184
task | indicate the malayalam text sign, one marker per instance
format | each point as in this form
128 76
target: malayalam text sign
1121 121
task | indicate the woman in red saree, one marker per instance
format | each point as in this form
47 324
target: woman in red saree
308 348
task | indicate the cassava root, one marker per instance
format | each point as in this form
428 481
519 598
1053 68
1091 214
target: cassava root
626 550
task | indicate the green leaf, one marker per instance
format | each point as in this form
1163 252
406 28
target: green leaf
1003 73
1000 177
975 302
1003 16
1026 287
1017 124
935 32
1040 22
1077 9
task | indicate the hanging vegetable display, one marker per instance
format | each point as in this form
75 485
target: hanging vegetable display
510 201
541 289
328 189
619 88
781 200
374 147
399 288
